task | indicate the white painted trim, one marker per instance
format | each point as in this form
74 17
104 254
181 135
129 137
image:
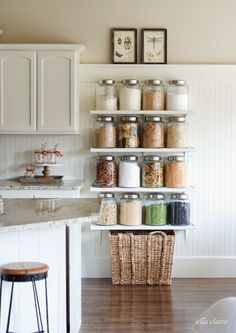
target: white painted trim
40 47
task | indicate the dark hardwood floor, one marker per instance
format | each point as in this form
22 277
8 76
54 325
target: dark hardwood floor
141 309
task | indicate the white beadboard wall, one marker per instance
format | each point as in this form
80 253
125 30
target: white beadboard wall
211 247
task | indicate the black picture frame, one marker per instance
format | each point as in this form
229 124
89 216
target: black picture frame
151 52
124 45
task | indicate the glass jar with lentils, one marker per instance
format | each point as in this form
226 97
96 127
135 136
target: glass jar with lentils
153 95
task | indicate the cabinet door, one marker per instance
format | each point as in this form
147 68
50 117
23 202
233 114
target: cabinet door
57 91
17 91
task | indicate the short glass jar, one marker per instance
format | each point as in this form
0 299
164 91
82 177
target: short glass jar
155 209
176 172
106 173
179 209
153 132
177 95
106 95
108 209
153 95
105 133
129 171
130 209
128 132
177 132
152 172
130 95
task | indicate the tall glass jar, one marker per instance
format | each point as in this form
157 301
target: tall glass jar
177 95
176 172
130 209
108 209
152 172
129 171
105 133
130 95
106 96
128 132
153 95
177 132
155 209
179 209
106 174
153 132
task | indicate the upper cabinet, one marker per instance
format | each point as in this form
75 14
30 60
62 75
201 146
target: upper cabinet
39 88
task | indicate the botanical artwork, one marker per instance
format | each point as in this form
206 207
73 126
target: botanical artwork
124 46
154 46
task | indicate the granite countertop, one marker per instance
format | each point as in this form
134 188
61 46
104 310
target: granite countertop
23 214
14 184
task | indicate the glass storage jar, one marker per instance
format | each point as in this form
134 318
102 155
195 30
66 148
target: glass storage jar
128 132
108 209
153 132
176 172
106 95
106 173
105 133
129 171
130 95
155 209
177 132
130 209
152 172
179 209
177 95
153 95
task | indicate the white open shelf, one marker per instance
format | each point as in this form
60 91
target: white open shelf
142 189
143 150
141 227
141 112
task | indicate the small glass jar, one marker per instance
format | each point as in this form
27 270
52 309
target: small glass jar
176 172
130 209
153 95
40 157
152 172
106 95
179 209
108 209
155 209
128 132
153 132
51 157
106 175
177 132
105 133
177 95
129 171
130 95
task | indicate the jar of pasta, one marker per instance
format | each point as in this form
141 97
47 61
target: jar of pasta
130 95
130 209
153 132
106 175
152 172
155 209
153 95
176 172
129 171
177 132
179 209
177 95
106 96
105 133
108 209
128 132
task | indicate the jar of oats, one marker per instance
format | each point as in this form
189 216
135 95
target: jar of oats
152 172
177 132
176 172
130 209
177 95
153 95
153 132
128 132
105 133
108 209
106 173
106 96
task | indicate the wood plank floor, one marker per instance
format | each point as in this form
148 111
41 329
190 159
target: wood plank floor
141 309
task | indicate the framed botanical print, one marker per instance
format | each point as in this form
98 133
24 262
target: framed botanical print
154 46
124 46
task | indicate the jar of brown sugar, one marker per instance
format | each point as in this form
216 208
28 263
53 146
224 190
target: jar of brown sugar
177 132
176 172
153 132
153 95
105 133
106 173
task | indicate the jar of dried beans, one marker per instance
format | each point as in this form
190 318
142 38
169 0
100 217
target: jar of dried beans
177 95
105 133
152 172
179 209
129 171
153 95
176 172
130 209
130 95
177 132
106 175
155 209
128 132
153 132
108 209
106 96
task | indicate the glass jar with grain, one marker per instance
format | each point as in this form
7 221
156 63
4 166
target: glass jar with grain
153 132
153 95
106 96
130 209
177 95
155 209
176 172
152 172
108 209
106 173
128 132
105 133
130 95
177 132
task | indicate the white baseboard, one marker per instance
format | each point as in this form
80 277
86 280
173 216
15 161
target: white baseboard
184 267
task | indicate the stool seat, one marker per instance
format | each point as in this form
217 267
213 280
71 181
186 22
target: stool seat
24 268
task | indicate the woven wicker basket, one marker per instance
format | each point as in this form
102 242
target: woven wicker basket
142 257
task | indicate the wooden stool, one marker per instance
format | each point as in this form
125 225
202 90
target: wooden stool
25 272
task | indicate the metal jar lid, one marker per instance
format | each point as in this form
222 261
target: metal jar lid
106 158
127 118
107 82
152 158
130 82
154 119
177 119
176 158
156 196
177 82
154 82
130 196
129 158
106 195
105 119
181 196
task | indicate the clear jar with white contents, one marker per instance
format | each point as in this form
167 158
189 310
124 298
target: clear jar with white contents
177 95
105 133
177 133
153 95
108 209
106 96
129 171
130 95
130 209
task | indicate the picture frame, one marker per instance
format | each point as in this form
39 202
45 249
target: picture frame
124 46
154 46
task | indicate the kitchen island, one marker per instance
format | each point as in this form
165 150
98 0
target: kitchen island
46 230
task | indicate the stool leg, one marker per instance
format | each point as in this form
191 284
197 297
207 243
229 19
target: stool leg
10 306
46 297
37 308
0 300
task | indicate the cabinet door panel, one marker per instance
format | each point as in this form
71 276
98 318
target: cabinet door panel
17 91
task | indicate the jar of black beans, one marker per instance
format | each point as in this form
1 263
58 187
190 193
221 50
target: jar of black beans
179 210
